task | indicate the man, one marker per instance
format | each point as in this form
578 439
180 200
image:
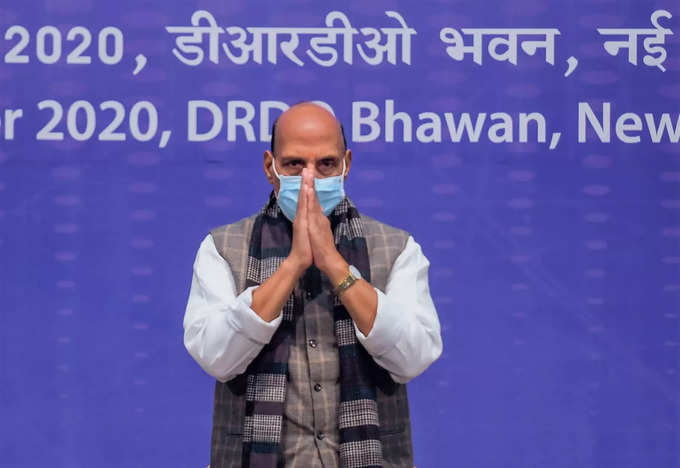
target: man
310 316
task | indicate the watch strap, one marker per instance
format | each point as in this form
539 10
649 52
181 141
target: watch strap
349 280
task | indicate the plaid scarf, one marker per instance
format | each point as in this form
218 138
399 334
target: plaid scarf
358 422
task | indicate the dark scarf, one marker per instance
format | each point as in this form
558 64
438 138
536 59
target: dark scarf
358 422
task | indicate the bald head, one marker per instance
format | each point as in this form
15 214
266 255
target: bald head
309 118
307 136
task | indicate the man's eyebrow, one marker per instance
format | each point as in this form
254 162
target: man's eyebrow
326 157
289 158
292 157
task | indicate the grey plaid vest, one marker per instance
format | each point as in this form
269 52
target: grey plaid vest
311 405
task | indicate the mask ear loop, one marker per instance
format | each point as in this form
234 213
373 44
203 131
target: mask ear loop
276 173
342 177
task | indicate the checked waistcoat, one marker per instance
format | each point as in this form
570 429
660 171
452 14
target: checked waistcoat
310 436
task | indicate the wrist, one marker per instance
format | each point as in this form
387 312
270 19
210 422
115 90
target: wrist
336 269
293 266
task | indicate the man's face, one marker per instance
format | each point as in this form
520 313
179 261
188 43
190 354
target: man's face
307 136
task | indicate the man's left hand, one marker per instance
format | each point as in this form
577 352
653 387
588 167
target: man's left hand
361 300
326 256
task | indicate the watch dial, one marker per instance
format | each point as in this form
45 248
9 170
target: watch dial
355 271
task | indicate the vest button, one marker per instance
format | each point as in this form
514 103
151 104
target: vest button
312 343
308 294
317 387
321 436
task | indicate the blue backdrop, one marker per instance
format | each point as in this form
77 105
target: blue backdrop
555 272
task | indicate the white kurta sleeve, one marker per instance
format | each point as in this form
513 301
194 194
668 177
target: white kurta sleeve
221 332
406 337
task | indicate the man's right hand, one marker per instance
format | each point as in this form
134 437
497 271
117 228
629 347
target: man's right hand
300 256
270 296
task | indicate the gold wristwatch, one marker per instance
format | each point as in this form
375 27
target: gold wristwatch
349 280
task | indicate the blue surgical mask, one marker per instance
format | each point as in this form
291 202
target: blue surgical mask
330 191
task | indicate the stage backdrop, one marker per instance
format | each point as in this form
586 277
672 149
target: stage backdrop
530 147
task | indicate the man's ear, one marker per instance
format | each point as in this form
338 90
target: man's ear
348 161
267 162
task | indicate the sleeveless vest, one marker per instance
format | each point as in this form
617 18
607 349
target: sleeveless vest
384 243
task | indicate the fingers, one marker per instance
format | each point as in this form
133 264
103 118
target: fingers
311 199
305 211
302 198
307 178
313 205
